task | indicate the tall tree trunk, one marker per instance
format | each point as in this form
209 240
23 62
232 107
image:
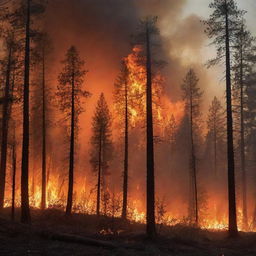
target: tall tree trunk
43 199
125 181
25 211
193 164
5 122
13 175
71 156
151 228
99 175
242 138
230 147
215 149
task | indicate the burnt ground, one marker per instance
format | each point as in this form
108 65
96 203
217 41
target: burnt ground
53 234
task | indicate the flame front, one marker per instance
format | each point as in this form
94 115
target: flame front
85 196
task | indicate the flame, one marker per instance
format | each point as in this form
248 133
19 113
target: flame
84 197
85 203
162 106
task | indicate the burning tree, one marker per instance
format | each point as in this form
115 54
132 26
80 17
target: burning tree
148 29
41 107
70 93
192 95
243 63
101 146
17 17
146 85
221 27
122 100
8 65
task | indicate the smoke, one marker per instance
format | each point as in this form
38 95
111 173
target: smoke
101 30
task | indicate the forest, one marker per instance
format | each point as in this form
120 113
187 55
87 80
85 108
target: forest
128 127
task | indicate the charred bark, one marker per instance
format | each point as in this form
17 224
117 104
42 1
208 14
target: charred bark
5 124
193 164
215 148
25 211
242 140
126 141
151 229
43 199
230 147
71 155
99 175
14 162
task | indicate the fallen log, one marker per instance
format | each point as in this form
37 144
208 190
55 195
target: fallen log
78 239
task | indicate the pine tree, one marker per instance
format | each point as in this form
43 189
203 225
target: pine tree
70 93
10 48
242 69
38 8
101 144
146 37
14 168
192 95
221 27
41 105
122 103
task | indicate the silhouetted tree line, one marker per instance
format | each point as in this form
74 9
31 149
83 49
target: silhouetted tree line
230 130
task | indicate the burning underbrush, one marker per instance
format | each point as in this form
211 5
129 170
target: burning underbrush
111 205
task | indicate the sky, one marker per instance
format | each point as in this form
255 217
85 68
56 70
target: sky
201 8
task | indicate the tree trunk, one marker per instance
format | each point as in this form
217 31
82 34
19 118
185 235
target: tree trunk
99 176
25 211
5 123
230 147
125 184
43 199
13 175
242 138
71 156
151 229
193 164
215 149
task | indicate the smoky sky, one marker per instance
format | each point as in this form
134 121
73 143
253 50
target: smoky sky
101 30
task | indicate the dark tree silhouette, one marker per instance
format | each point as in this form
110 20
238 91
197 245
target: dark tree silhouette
42 104
10 48
121 96
70 93
192 96
150 29
25 211
242 69
14 169
147 38
43 198
101 145
221 27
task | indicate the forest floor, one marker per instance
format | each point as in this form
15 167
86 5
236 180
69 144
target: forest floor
53 234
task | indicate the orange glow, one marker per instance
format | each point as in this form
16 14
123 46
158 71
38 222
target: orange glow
84 194
85 203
